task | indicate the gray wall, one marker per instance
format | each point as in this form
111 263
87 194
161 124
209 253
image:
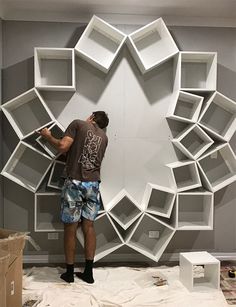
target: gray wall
19 39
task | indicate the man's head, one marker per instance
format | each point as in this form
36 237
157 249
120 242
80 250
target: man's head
100 118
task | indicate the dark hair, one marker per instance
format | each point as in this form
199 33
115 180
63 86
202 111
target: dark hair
101 118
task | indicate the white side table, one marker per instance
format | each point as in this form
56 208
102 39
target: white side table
211 278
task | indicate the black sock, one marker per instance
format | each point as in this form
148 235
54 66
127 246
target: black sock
68 276
87 275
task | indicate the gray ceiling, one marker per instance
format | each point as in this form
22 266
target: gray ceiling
180 11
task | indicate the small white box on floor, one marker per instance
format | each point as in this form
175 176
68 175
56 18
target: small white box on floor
211 265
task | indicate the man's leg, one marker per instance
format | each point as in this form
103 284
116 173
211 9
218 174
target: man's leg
89 250
69 248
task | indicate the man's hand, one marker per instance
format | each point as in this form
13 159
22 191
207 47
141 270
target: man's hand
46 133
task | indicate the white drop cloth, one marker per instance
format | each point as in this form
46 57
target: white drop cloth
116 287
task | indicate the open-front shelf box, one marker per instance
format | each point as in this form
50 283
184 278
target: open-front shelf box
57 131
100 44
151 45
185 175
57 175
124 209
47 212
219 116
186 108
150 236
193 141
195 210
54 69
27 113
27 166
158 200
198 71
218 167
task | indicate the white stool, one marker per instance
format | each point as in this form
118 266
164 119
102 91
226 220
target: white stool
211 265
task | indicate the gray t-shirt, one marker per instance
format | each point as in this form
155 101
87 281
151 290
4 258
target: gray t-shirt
85 155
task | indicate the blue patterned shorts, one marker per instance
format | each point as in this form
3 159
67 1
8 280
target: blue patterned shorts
79 199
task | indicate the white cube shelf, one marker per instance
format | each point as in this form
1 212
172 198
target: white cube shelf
193 141
47 212
218 167
108 238
151 45
186 108
57 175
54 69
211 275
124 209
219 116
195 210
185 175
28 105
150 236
198 71
158 200
100 44
57 131
27 166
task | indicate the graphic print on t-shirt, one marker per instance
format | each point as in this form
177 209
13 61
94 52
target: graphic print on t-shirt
91 147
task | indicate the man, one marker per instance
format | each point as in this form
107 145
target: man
85 143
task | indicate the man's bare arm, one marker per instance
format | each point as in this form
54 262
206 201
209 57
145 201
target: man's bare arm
62 145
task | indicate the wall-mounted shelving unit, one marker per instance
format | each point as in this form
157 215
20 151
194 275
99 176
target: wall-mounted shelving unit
150 237
47 212
219 116
57 131
147 228
158 200
27 166
195 210
124 209
108 238
57 175
185 175
193 141
28 105
151 45
100 44
197 71
186 108
54 69
218 167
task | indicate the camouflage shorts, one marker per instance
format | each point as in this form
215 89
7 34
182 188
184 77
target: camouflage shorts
79 199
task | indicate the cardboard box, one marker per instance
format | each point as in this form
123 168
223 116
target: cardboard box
4 264
13 243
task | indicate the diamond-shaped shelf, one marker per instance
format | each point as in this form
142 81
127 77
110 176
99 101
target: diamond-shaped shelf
158 200
193 141
151 45
218 167
219 117
124 209
100 44
150 237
